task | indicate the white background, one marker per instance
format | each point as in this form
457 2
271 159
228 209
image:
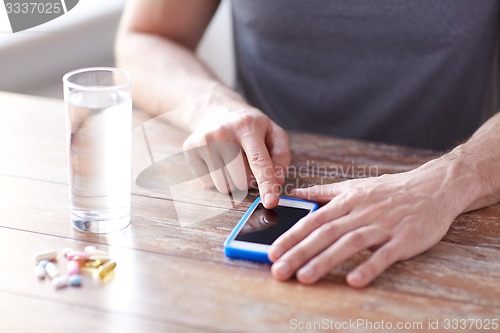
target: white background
4 20
32 61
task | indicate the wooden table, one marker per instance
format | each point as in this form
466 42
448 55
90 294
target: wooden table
172 275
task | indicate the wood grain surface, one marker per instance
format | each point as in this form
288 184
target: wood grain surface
172 275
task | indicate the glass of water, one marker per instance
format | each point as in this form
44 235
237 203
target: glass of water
98 110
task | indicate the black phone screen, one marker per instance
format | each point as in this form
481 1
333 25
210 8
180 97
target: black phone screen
264 225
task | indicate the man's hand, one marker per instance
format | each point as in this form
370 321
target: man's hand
264 145
397 216
156 43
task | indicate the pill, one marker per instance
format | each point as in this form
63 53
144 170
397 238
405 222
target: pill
75 280
45 255
51 270
106 268
99 253
43 263
90 249
60 281
66 250
101 258
39 271
77 254
93 263
80 261
73 268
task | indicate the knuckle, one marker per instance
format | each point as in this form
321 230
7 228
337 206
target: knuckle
218 134
329 231
387 254
320 218
261 165
374 216
204 139
357 239
338 203
246 122
222 133
259 158
346 198
316 221
384 177
398 249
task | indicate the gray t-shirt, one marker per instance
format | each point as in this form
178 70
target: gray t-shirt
416 73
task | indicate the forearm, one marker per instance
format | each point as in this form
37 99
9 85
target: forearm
168 76
470 172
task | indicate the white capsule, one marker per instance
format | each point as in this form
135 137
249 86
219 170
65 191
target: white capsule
45 255
66 250
39 271
92 250
51 270
60 281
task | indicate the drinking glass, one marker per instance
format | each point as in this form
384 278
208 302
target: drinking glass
98 111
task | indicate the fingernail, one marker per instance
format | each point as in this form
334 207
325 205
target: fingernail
356 277
268 199
282 268
307 273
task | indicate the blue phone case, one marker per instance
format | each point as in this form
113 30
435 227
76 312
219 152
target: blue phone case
237 253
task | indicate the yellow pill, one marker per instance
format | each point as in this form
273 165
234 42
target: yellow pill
93 263
106 268
101 258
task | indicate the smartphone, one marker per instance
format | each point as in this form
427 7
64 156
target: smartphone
260 227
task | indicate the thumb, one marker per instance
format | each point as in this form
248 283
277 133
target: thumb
318 193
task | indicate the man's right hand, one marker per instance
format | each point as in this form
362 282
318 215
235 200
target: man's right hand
156 43
263 153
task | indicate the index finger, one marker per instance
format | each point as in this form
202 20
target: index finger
263 169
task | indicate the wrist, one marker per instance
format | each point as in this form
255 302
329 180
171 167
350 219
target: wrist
458 183
478 172
455 184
